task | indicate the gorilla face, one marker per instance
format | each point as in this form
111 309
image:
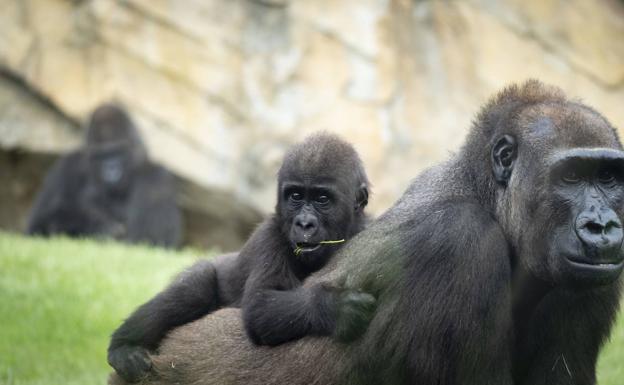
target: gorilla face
111 170
588 187
315 217
114 150
321 195
110 167
566 208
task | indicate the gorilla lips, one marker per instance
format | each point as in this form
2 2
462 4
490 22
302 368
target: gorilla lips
301 247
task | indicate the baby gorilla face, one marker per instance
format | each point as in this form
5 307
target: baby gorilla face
314 219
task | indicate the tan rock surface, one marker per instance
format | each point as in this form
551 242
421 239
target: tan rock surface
221 88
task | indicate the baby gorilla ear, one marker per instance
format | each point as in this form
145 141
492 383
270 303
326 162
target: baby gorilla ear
504 155
361 197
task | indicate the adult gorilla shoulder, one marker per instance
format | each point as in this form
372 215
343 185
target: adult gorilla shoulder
109 188
499 266
322 191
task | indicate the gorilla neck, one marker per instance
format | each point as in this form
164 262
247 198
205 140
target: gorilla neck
527 292
466 170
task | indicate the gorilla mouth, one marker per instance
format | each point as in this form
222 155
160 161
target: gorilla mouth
596 266
306 247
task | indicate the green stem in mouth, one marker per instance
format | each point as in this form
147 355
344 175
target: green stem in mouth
331 242
298 249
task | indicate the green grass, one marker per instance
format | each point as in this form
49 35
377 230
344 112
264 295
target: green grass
611 362
60 299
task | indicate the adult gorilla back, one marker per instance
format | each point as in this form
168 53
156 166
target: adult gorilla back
500 266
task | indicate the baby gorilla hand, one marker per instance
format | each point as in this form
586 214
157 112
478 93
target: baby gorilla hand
355 311
131 362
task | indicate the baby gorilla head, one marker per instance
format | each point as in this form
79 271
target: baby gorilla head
322 191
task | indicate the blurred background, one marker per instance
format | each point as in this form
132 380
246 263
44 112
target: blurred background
220 88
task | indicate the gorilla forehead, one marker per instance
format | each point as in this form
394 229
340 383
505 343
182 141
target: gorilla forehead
541 115
323 158
110 123
566 125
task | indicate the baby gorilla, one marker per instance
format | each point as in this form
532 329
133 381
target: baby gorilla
322 193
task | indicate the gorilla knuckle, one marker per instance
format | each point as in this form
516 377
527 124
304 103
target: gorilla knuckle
132 363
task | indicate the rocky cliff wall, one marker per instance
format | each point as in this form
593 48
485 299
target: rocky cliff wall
220 88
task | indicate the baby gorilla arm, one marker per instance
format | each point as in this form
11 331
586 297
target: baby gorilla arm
272 317
192 295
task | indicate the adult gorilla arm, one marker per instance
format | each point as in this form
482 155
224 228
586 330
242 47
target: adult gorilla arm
58 208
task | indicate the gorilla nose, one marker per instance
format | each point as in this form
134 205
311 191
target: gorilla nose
601 234
306 223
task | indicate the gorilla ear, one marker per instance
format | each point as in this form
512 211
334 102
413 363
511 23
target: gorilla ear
361 198
504 155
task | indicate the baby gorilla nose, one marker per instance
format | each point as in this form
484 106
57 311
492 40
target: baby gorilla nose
601 234
306 224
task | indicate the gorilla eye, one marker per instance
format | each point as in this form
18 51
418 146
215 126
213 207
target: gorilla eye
606 177
296 197
571 176
322 199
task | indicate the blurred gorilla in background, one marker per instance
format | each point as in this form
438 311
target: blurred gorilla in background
109 188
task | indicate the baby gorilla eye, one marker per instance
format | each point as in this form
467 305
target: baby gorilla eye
322 199
296 197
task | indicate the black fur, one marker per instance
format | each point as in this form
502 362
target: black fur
108 188
501 266
322 192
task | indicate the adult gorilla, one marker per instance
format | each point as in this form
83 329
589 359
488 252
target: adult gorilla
108 188
500 266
